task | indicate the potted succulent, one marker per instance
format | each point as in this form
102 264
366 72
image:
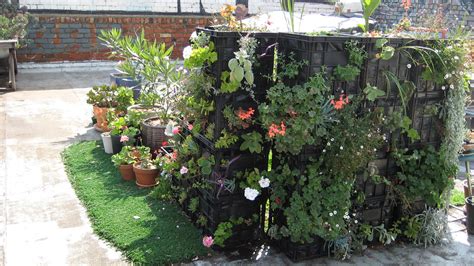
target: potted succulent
160 76
124 161
146 170
102 99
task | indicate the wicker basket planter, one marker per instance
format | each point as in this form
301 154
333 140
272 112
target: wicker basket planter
153 133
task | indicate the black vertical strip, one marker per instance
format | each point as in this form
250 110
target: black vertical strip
179 6
243 2
202 10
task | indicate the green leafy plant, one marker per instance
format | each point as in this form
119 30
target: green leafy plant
14 23
193 205
206 164
124 98
103 96
346 73
253 142
225 140
457 198
372 92
223 232
368 8
424 174
126 156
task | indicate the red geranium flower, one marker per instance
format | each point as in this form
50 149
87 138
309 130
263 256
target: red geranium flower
339 104
245 115
275 130
164 143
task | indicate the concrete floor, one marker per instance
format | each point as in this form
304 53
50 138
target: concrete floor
43 222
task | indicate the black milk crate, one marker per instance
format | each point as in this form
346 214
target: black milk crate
226 206
370 188
297 252
375 211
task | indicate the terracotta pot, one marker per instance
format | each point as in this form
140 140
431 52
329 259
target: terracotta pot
145 177
127 172
100 114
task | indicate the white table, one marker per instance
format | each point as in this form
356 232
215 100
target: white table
10 45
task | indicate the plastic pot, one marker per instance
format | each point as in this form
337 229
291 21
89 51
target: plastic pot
107 142
145 177
466 189
116 144
127 172
470 215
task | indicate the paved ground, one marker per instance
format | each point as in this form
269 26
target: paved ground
42 221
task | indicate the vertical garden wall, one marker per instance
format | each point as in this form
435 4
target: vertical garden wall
319 144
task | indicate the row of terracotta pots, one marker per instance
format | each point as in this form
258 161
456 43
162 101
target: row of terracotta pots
143 177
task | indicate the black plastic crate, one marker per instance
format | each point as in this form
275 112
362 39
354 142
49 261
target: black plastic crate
370 188
297 252
375 211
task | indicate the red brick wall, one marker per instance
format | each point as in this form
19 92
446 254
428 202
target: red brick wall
74 37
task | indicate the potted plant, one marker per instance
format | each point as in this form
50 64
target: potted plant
102 99
122 131
124 161
146 170
13 23
160 80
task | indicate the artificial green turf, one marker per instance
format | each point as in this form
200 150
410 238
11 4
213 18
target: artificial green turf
457 197
158 234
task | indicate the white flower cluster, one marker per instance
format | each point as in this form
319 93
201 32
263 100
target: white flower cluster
251 193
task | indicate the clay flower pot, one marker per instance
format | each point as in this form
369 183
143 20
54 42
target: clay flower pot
100 114
145 177
127 172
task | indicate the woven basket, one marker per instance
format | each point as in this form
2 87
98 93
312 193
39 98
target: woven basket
150 111
153 136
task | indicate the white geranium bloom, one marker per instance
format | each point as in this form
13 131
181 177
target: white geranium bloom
251 193
264 182
187 51
408 65
193 35
169 129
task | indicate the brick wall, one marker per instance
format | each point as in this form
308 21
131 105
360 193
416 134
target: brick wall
74 37
454 11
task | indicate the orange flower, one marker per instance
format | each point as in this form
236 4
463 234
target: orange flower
339 104
244 115
275 130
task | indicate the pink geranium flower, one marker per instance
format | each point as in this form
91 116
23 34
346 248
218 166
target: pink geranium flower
175 130
124 139
184 170
207 241
190 126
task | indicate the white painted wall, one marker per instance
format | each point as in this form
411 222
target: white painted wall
190 6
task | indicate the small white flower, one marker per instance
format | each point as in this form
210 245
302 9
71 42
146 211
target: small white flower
375 149
342 148
136 217
187 51
355 221
346 213
324 150
449 47
264 182
409 66
183 170
251 193
337 225
453 73
329 143
384 137
193 35
446 76
443 87
456 57
177 226
332 139
369 135
451 86
330 214
335 212
361 146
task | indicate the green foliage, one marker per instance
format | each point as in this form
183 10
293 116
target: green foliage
304 109
125 157
252 141
379 232
288 66
457 198
368 8
124 98
206 164
13 23
193 205
373 93
357 53
201 56
405 88
225 140
202 220
103 96
398 121
223 232
424 174
346 73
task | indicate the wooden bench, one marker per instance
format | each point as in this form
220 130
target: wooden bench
10 45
